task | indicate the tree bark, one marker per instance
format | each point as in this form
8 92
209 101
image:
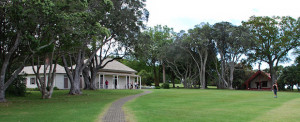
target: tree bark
75 86
93 79
86 78
45 79
272 72
231 75
164 72
2 93
4 66
173 80
156 81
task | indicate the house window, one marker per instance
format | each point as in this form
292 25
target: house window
264 84
32 81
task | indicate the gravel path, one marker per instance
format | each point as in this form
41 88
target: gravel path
115 112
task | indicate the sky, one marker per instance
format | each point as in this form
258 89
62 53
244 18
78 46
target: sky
185 14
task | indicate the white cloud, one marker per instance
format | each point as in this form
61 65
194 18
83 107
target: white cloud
185 14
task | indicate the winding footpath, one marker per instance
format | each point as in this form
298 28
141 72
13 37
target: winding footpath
115 112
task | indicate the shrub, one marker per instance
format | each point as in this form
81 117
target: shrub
148 83
165 86
157 87
17 88
55 88
146 77
281 85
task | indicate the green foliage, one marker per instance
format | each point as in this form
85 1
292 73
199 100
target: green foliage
17 88
281 85
152 50
290 75
55 88
148 82
274 38
165 86
157 87
241 74
137 65
146 77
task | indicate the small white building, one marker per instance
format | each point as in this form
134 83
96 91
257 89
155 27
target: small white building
118 75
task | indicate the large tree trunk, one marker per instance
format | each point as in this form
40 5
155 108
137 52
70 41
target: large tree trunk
5 63
223 72
164 72
93 79
90 82
272 72
203 70
86 78
75 86
173 80
73 75
156 81
231 75
2 93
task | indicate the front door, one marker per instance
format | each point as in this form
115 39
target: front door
66 83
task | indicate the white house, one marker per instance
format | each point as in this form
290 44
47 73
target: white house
118 75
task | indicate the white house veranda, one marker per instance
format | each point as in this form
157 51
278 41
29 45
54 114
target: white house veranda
118 80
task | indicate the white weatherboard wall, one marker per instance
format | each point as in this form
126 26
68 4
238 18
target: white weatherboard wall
59 81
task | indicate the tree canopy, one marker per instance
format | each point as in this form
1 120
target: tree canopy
274 37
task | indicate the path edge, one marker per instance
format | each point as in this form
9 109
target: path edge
129 117
101 115
107 107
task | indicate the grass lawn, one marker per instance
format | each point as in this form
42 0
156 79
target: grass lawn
170 105
61 107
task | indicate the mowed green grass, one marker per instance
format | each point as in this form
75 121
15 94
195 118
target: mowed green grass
61 107
170 105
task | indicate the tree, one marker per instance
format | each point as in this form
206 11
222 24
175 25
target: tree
240 41
154 41
182 65
124 22
221 37
10 42
274 37
290 75
81 32
16 35
180 62
200 39
44 31
231 43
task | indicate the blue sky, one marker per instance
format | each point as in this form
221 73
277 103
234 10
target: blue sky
185 14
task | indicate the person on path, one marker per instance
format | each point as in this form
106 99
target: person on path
275 89
106 84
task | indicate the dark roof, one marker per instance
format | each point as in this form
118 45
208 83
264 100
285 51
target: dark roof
259 72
